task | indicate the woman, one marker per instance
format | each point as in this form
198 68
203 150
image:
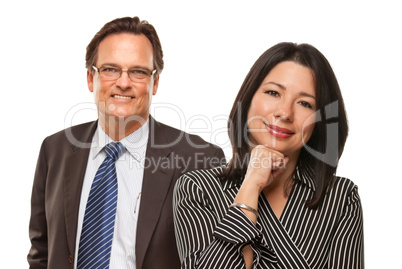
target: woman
278 203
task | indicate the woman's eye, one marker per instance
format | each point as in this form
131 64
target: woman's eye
306 104
272 93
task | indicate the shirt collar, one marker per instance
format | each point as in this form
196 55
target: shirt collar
305 178
135 143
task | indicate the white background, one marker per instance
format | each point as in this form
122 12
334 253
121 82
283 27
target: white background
209 48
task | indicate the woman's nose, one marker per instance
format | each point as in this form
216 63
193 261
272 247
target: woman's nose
284 112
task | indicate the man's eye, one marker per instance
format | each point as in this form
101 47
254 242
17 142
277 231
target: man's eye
109 70
138 72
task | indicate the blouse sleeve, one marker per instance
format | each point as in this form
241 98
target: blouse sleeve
203 240
347 244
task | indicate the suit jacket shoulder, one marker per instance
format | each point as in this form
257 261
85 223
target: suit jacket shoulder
76 136
189 148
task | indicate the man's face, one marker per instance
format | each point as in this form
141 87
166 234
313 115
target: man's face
123 98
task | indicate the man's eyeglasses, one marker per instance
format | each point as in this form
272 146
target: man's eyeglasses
110 73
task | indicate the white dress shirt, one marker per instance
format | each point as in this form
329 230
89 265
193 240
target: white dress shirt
130 172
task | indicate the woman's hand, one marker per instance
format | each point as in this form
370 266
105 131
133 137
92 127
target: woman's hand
265 164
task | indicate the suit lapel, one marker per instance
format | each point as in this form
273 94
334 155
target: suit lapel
156 183
76 163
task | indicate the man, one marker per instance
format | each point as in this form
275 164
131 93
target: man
123 61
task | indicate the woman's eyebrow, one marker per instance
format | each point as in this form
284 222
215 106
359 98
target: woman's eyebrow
301 93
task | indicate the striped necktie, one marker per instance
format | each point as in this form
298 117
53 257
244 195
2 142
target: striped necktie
98 226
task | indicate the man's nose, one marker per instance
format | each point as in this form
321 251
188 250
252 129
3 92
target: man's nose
124 81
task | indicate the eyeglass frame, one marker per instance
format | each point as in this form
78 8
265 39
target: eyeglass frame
125 70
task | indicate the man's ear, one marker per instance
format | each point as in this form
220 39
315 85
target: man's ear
90 81
156 84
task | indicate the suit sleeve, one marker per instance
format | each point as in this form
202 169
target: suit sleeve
347 245
203 240
38 254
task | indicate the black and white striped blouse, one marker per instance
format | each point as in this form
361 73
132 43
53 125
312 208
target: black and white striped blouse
210 235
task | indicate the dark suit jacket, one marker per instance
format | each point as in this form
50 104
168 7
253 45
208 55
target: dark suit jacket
57 190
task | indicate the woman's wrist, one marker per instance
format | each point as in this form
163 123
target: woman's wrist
248 195
246 207
253 185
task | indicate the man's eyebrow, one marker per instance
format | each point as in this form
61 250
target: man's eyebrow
140 67
109 64
132 67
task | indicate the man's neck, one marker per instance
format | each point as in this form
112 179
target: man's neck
119 128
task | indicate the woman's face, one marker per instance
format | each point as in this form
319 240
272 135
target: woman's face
282 111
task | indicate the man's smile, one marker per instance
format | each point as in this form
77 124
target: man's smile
122 97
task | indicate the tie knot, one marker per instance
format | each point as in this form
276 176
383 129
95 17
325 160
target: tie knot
114 150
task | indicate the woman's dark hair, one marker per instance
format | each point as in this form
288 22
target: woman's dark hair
126 25
331 127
